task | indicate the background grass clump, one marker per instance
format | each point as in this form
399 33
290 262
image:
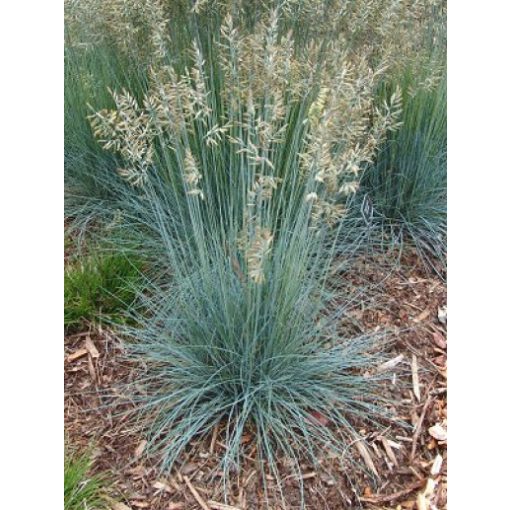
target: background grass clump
100 287
407 183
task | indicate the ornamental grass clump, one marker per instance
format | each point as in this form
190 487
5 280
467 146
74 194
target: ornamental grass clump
240 169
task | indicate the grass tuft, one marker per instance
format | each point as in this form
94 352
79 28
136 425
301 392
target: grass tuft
99 288
82 491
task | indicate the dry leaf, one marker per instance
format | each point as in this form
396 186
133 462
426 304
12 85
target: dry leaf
439 361
77 354
416 381
423 315
137 471
388 365
438 432
188 468
439 340
366 457
246 438
140 448
320 418
91 348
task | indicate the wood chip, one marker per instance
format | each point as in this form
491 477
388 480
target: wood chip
140 449
366 457
306 476
77 354
418 426
439 340
416 381
119 506
213 439
423 315
175 506
91 348
403 438
221 506
141 504
436 466
428 492
389 365
422 503
162 485
195 494
385 498
92 370
376 451
438 432
393 444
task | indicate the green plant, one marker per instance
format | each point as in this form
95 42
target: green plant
99 287
82 491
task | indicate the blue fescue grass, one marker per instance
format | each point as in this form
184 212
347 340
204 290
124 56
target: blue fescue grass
265 358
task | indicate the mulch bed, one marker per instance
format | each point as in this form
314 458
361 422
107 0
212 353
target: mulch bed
400 463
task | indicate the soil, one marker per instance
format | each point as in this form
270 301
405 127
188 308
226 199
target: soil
403 300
